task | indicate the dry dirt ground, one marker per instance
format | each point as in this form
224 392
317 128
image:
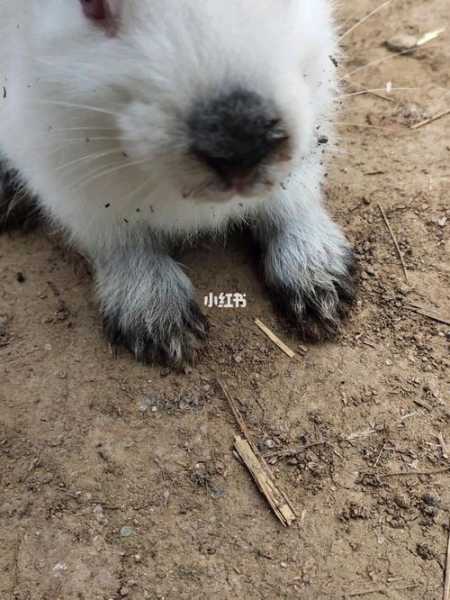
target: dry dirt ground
119 481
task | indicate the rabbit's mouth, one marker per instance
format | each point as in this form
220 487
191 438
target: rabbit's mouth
248 185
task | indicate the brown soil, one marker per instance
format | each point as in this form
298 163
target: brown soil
90 445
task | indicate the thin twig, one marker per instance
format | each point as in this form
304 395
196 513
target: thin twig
236 413
275 339
364 19
443 445
440 115
446 595
258 468
265 481
17 548
421 312
380 455
364 91
381 590
287 452
423 404
379 61
410 473
365 126
394 239
429 37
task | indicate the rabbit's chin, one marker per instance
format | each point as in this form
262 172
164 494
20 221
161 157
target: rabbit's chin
210 189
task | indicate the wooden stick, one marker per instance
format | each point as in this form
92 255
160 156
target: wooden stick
446 595
381 591
440 115
258 468
367 592
288 452
394 239
423 404
265 482
421 312
443 445
363 90
410 473
275 339
236 413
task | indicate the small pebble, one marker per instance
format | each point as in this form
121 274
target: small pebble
60 568
99 513
402 43
127 532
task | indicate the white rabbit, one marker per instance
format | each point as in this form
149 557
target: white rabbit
137 122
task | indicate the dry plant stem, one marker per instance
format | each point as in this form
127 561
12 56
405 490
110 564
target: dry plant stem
287 452
236 413
441 115
275 339
429 37
394 239
423 404
258 468
421 312
377 62
364 91
446 595
381 591
443 445
410 473
364 19
265 482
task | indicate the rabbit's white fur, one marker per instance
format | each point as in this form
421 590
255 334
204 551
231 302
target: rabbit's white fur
95 123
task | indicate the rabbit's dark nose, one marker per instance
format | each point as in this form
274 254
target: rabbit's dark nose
235 133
